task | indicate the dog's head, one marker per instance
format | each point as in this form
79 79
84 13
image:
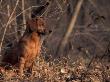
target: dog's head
37 25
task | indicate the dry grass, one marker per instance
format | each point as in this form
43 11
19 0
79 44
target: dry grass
63 71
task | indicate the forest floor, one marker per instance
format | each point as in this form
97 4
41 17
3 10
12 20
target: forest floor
63 71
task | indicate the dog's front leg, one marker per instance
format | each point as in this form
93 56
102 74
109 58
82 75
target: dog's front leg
32 70
21 66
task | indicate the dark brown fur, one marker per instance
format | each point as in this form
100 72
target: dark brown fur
28 48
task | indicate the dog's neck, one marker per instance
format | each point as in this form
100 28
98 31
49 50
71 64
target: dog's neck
41 37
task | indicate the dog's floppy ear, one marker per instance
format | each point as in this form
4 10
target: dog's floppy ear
28 28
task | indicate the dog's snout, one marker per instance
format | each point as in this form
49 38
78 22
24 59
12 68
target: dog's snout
48 31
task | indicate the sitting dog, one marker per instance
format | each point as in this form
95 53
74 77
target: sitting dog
28 48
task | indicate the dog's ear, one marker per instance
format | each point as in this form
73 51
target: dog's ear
28 28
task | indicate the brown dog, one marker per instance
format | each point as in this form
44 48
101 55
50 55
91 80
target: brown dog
28 48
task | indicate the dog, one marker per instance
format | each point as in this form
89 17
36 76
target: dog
24 53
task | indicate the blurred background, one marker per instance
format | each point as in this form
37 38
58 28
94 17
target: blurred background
89 37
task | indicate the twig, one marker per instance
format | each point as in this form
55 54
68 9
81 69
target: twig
24 19
97 9
0 3
90 62
106 51
2 25
3 13
59 5
21 13
92 38
8 24
71 26
45 12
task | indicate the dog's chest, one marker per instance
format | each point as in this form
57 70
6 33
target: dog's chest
32 48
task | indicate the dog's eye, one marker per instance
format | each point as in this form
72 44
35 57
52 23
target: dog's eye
36 19
42 24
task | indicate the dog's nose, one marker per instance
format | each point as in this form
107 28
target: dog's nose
50 31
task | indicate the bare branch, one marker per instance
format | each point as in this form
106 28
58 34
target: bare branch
24 19
71 26
8 24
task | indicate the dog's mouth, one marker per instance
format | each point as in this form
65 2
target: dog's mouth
41 32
